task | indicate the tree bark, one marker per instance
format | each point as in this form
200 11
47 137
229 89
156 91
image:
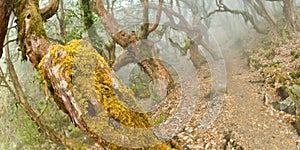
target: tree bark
289 13
4 17
32 37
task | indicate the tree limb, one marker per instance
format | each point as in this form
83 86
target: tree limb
122 61
145 27
50 10
158 15
22 100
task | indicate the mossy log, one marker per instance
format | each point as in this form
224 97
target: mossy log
95 99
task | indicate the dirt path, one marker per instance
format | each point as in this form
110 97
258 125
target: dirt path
245 122
254 125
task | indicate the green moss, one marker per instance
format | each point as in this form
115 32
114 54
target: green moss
281 78
295 54
268 71
296 74
255 63
297 81
269 53
29 23
162 117
40 68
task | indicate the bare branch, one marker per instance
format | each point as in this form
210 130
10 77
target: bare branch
112 27
246 15
6 84
158 15
61 20
123 60
50 10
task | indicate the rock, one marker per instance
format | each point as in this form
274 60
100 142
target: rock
296 125
291 103
287 106
283 92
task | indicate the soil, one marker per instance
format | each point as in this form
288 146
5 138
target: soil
246 120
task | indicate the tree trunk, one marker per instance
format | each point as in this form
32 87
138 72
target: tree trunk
289 13
31 33
4 17
85 87
95 99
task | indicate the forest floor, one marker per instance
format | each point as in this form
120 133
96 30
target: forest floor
246 121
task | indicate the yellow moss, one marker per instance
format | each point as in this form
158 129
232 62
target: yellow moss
40 69
91 80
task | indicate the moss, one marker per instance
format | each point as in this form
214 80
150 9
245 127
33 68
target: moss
29 23
255 62
281 78
271 81
40 68
296 55
296 74
104 102
269 53
297 81
268 71
162 117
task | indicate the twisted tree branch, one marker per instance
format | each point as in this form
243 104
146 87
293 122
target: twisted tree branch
50 10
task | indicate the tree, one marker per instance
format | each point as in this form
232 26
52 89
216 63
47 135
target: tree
79 75
85 111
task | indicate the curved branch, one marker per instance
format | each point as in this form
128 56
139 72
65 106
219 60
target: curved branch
246 15
158 16
50 10
122 61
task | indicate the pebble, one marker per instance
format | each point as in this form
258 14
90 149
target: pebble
207 145
185 138
281 113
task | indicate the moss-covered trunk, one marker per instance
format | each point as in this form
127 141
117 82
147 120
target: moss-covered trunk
31 33
95 99
85 86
